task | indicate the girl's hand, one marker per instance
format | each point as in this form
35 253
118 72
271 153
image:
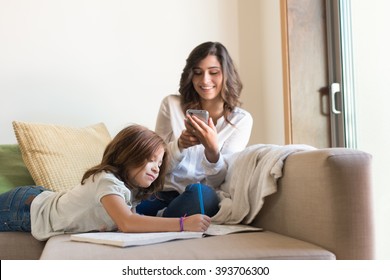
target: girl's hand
206 134
197 222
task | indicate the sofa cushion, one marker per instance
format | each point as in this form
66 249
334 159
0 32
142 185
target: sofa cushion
13 171
240 246
57 156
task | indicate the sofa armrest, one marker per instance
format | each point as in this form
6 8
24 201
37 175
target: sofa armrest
325 198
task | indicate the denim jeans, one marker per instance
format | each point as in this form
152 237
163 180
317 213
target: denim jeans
15 208
179 205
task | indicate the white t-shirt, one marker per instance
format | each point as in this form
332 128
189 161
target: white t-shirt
79 209
191 165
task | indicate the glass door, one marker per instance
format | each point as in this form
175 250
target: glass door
341 76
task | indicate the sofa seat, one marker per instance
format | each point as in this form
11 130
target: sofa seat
255 245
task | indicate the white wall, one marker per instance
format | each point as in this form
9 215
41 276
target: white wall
78 62
370 22
261 68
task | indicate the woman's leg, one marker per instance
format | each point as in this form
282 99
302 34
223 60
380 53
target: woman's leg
191 201
15 208
155 203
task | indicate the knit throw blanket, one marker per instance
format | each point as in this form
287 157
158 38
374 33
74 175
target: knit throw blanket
252 175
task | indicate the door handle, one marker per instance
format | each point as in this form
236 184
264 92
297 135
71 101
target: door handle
334 88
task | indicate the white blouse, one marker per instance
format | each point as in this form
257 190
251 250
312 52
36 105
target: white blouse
191 166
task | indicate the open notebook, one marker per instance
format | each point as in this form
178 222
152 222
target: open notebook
121 239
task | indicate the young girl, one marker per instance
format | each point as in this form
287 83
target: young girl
132 169
210 82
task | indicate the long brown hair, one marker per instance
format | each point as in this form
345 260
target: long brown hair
132 147
231 84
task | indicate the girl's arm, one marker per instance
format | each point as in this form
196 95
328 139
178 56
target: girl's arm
130 222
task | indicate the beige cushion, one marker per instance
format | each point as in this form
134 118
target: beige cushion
57 156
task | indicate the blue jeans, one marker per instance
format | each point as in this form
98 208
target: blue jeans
15 208
179 205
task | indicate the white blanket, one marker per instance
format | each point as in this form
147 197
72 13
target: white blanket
252 175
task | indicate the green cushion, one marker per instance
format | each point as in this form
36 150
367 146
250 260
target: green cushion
13 171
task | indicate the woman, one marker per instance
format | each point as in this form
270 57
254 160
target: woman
210 82
132 168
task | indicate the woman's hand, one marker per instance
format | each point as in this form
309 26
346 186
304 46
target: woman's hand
206 134
187 140
197 222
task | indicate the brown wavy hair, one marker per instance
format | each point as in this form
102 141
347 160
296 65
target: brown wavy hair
131 148
231 84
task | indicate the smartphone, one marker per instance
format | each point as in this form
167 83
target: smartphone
201 114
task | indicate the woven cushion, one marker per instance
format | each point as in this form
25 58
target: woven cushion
13 171
57 156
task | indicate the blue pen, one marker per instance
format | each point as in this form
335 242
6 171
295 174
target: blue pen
200 198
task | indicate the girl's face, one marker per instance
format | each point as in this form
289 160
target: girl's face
208 77
145 175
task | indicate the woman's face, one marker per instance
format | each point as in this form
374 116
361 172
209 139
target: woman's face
207 78
145 175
